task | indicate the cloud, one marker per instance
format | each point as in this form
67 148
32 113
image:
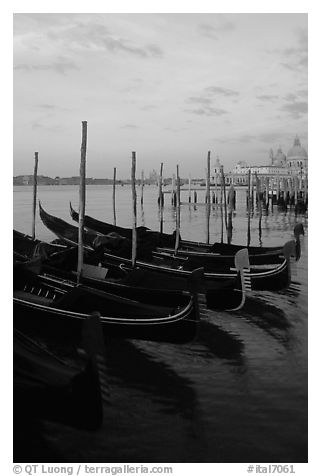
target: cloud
295 66
295 109
217 90
269 138
114 45
302 93
219 25
97 37
129 126
199 100
206 99
294 106
267 97
290 97
208 111
46 106
148 107
296 58
45 126
61 66
36 125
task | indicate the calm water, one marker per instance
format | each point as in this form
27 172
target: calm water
238 393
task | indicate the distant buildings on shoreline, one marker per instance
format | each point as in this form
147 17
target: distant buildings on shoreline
294 163
43 180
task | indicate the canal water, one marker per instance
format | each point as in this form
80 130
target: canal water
238 393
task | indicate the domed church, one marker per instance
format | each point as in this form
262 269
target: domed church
295 161
297 157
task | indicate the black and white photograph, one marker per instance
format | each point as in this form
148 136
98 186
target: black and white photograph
160 240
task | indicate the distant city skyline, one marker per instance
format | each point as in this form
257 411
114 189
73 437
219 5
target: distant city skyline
169 86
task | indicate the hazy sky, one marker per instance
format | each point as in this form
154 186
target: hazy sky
168 86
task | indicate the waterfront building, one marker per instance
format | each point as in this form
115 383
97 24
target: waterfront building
294 163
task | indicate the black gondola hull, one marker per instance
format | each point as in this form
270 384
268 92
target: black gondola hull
28 315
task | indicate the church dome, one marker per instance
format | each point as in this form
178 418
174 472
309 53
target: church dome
297 151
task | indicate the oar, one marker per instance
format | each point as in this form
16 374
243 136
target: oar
34 205
82 200
134 232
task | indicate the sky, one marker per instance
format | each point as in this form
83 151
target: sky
170 87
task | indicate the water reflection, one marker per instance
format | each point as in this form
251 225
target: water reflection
221 343
130 365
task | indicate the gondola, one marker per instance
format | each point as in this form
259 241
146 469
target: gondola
62 306
117 278
219 254
47 386
166 269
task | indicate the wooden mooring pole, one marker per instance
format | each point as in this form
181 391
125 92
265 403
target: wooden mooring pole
216 198
178 208
231 207
208 198
161 198
142 188
259 204
82 200
224 193
221 205
114 196
267 188
173 190
134 200
249 210
34 203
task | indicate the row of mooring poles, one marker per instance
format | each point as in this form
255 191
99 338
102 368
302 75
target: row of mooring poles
114 193
293 189
82 201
